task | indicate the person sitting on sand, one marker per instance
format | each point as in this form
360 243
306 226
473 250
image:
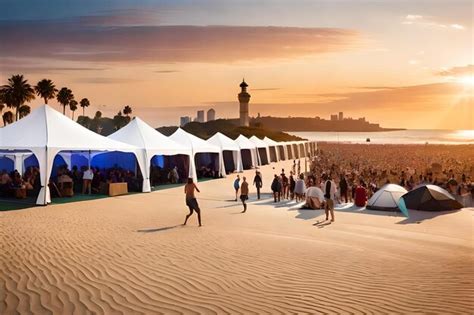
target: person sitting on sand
360 197
244 193
236 186
191 200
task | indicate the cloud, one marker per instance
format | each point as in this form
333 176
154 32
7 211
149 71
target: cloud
428 21
267 89
90 41
166 71
457 71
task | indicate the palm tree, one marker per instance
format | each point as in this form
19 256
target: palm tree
64 97
2 106
73 107
46 90
127 110
7 118
84 103
24 110
17 92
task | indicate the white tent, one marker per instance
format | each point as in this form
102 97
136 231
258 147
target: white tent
197 145
262 147
151 142
45 132
386 198
245 144
227 144
271 143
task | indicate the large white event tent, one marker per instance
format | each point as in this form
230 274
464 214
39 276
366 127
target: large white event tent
45 132
273 149
227 144
248 151
151 142
197 146
262 150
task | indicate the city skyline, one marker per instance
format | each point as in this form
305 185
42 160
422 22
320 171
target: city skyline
393 62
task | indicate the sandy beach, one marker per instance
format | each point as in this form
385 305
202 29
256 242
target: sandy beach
130 255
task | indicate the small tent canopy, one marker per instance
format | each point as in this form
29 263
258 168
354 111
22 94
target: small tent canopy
429 198
262 147
249 152
45 132
386 198
273 149
151 142
233 162
197 146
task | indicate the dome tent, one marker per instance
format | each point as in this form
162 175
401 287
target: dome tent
429 198
386 198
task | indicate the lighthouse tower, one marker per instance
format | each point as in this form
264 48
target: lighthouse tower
244 99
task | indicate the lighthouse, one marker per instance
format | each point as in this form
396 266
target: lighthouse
244 99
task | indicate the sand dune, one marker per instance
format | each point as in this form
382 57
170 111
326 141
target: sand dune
129 255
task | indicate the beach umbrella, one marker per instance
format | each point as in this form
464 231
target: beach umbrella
430 198
386 198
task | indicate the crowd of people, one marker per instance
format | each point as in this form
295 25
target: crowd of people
359 170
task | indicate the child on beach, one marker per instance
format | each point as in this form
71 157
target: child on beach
191 200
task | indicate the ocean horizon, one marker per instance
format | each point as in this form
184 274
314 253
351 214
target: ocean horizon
408 136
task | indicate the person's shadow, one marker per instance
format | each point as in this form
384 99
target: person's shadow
151 230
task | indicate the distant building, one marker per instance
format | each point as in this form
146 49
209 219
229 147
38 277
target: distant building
184 120
362 119
211 115
333 117
341 116
244 99
200 116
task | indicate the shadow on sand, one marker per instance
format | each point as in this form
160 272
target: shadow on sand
416 217
151 230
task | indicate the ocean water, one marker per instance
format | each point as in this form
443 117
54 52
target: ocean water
410 136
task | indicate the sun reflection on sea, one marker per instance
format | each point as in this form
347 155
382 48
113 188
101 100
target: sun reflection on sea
463 135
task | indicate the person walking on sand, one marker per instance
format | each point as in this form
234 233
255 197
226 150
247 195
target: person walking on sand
276 188
244 192
329 196
237 186
258 182
191 200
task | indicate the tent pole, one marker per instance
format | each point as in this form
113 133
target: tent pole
89 160
46 182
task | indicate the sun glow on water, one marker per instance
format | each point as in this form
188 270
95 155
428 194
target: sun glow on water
464 134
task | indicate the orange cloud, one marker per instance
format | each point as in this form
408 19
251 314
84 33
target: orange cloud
79 40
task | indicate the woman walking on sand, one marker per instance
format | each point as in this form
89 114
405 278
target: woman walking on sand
244 193
191 201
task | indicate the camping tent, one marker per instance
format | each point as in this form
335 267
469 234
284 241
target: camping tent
273 149
386 198
262 149
200 150
429 198
152 143
248 151
45 132
230 152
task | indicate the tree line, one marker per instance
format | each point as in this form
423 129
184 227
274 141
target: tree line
18 91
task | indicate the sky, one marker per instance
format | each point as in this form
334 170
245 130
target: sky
399 63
